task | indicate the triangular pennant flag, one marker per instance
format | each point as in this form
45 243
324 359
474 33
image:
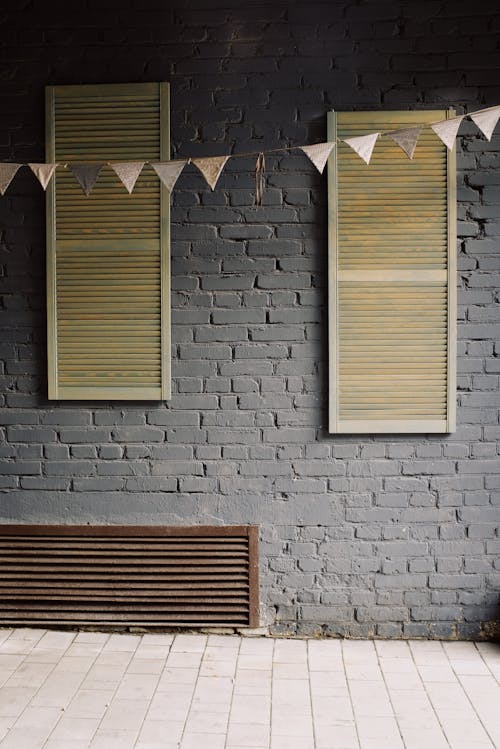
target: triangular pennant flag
43 172
363 145
319 154
406 139
128 172
7 174
447 130
211 168
86 175
168 171
486 120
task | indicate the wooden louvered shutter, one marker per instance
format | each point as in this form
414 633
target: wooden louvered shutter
392 287
108 254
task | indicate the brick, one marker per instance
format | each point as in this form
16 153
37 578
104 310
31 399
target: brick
34 434
69 468
91 435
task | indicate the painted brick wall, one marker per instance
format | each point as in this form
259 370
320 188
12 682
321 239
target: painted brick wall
393 536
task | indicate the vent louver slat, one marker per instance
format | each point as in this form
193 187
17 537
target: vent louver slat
115 576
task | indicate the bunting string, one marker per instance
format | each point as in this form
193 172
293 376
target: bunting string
86 173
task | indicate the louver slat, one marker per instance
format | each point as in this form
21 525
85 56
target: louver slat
126 576
108 258
392 286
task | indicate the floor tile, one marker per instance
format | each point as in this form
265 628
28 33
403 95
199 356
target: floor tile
30 675
71 728
146 666
125 715
114 739
137 687
57 640
199 721
127 643
189 644
65 744
247 734
198 740
90 703
339 736
13 700
158 731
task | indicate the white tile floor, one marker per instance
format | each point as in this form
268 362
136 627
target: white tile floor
61 690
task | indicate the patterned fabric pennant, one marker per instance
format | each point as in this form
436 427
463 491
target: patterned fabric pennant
319 154
168 171
7 174
86 175
43 172
211 168
406 139
486 121
128 172
363 145
447 130
260 170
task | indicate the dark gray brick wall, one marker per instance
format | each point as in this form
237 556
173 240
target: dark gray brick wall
389 536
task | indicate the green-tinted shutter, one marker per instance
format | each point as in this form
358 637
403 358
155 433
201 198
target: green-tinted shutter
108 254
392 286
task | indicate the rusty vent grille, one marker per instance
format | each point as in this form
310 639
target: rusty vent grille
129 576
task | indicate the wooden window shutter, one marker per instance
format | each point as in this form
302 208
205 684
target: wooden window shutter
108 278
392 287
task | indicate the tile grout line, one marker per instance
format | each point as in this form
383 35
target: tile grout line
457 677
85 675
495 678
271 711
435 711
156 688
389 693
112 698
232 691
179 743
349 693
310 693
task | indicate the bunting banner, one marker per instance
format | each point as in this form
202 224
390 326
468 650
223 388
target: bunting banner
86 175
260 170
128 172
169 171
363 145
319 154
43 172
486 121
447 130
211 168
406 139
7 174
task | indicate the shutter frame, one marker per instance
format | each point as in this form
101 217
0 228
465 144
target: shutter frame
57 389
382 424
